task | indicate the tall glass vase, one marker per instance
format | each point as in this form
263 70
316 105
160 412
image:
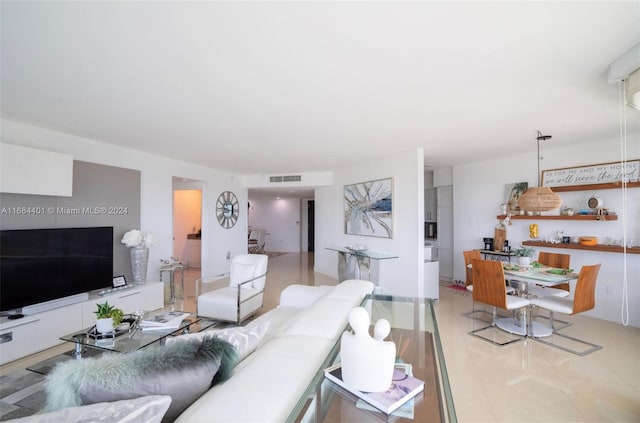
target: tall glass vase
139 263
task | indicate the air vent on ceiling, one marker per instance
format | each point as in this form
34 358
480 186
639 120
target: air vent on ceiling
285 178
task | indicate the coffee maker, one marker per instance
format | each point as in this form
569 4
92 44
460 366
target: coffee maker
488 244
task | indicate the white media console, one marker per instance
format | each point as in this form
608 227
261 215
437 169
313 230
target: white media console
41 330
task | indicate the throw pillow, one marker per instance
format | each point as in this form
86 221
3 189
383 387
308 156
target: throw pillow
148 409
241 272
182 370
245 339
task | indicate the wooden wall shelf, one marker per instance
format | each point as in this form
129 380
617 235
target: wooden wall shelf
595 187
599 247
590 217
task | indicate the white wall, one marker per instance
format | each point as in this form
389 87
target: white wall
479 188
156 191
280 218
402 276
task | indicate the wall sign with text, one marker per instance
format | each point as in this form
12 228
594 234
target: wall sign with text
597 176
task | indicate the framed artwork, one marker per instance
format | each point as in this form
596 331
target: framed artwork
593 177
368 208
512 193
119 281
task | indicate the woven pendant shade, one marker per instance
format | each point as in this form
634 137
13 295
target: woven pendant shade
539 199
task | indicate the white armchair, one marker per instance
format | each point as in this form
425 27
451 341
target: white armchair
244 295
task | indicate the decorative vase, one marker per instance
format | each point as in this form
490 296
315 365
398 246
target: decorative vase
499 237
139 264
104 325
524 261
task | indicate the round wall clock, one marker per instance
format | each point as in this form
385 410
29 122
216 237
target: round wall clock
227 210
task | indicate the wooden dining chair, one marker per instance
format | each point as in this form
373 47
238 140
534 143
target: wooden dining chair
489 288
584 300
558 261
469 256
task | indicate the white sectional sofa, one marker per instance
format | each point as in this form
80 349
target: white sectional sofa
267 384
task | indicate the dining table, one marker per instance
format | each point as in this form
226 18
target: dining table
520 278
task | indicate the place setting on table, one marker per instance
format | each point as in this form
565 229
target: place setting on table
540 279
539 274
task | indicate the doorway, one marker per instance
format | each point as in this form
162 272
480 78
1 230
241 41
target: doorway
187 221
310 225
187 226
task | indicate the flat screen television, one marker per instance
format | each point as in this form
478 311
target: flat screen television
38 265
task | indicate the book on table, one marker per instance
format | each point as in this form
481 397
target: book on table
164 321
403 388
406 410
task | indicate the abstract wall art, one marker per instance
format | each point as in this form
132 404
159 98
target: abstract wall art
368 208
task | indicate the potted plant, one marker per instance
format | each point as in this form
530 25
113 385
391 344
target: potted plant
107 317
524 255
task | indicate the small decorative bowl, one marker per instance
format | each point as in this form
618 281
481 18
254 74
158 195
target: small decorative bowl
358 247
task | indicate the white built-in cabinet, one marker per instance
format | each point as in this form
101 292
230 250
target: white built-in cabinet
445 231
430 205
36 332
194 252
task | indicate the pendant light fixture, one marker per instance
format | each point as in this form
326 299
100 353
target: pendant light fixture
539 198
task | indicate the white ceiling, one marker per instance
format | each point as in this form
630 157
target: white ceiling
288 87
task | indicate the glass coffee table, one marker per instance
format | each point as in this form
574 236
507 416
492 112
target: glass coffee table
415 331
88 344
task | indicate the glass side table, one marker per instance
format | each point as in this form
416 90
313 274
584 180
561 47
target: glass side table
87 346
415 331
127 341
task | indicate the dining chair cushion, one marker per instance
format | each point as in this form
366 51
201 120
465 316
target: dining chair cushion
510 289
543 291
561 305
516 302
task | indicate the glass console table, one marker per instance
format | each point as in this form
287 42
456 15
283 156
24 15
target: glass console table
415 331
359 264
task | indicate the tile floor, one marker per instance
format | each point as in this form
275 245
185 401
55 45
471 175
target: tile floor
524 382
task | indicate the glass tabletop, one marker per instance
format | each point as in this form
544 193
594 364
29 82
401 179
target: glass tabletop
414 330
376 255
128 340
540 277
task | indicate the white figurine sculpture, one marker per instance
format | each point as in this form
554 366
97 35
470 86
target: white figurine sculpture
367 363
